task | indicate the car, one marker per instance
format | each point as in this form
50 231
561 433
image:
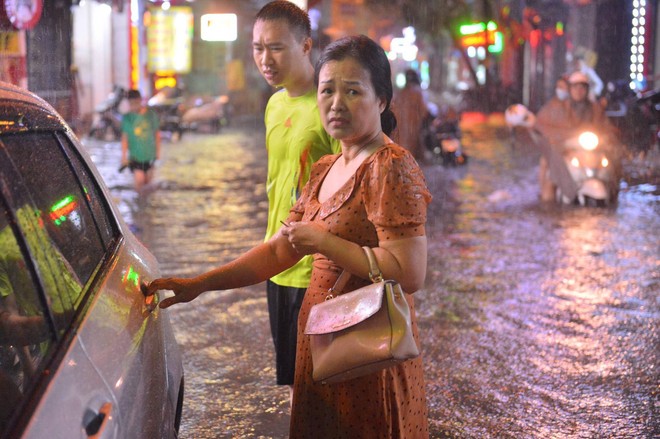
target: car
83 353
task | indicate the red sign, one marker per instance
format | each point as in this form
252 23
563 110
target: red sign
484 38
23 14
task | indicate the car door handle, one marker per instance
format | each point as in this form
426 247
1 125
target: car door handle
150 302
96 422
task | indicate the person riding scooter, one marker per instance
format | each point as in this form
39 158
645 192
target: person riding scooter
559 121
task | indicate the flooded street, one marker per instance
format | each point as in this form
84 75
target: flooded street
537 320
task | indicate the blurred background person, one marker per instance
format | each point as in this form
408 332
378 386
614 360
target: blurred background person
410 109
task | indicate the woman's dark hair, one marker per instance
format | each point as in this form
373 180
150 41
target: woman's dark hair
373 59
296 18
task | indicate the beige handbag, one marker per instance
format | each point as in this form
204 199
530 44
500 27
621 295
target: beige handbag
360 332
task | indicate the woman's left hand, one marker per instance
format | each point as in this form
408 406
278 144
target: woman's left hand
305 237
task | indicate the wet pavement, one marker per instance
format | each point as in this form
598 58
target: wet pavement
537 320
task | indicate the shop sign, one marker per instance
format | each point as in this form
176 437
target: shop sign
169 40
10 44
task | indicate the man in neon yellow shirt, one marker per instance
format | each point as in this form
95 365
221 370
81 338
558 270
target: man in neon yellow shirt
295 138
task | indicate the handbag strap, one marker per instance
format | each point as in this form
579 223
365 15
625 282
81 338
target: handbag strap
375 274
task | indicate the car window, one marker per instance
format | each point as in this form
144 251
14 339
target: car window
103 216
58 196
26 337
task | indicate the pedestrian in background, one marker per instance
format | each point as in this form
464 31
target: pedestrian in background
371 194
140 140
410 108
295 139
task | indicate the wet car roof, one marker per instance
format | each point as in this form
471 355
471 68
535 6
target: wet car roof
22 111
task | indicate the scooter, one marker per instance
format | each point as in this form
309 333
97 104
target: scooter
632 113
442 136
586 168
594 167
212 114
106 124
168 105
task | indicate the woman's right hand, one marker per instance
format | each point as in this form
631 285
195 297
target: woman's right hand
305 237
184 290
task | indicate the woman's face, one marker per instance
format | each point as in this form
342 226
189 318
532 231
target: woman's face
350 110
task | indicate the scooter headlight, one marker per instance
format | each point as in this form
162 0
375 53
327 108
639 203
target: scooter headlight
588 140
604 162
575 162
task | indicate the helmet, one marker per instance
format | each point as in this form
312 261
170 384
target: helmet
578 78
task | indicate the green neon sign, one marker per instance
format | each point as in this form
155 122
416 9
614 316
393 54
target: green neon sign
475 28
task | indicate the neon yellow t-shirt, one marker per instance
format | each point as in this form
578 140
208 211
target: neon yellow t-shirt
295 139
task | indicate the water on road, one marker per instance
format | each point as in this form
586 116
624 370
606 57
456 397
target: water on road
537 320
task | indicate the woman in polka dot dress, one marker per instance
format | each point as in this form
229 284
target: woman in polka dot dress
371 194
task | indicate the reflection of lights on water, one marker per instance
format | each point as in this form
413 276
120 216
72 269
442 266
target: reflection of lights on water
581 295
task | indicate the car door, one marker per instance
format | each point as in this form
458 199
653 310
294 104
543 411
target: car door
128 339
98 279
50 387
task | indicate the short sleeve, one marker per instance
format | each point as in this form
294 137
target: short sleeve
395 192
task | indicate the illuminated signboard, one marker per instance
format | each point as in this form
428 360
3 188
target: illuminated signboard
480 35
169 40
219 27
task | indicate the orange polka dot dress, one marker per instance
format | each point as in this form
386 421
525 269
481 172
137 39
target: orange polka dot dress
386 199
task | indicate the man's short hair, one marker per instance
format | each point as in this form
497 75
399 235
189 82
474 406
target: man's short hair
296 18
133 94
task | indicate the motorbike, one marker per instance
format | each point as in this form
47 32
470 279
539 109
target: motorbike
634 114
594 167
442 136
211 114
586 167
649 101
167 103
106 124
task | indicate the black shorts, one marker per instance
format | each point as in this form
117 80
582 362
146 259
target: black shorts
142 166
283 307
